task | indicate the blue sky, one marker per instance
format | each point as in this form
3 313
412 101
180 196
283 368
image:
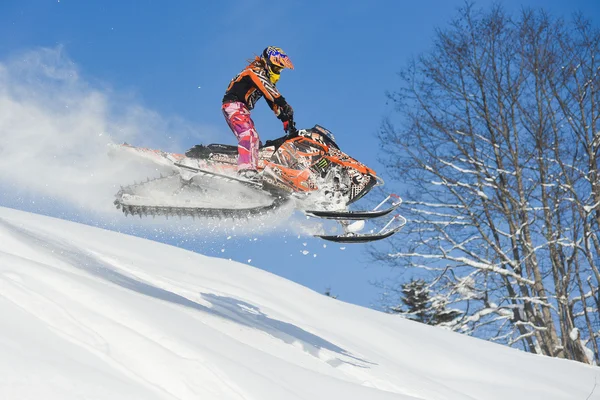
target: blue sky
177 57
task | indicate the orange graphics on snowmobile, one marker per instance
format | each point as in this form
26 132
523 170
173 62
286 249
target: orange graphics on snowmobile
306 161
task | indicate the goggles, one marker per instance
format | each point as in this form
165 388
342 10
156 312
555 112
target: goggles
276 69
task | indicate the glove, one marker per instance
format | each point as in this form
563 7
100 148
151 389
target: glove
290 128
286 113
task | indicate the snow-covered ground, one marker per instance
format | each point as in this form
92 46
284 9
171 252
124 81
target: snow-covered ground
87 313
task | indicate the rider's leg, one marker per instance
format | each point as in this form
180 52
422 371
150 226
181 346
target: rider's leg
241 124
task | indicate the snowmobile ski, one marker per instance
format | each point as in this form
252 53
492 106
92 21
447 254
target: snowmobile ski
351 229
352 237
357 215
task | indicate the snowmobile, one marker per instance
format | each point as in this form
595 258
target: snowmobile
306 167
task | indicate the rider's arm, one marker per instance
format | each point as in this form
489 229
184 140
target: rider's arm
274 99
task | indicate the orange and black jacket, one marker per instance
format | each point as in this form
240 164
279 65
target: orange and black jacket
251 84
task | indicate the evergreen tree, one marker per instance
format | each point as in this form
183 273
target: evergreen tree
421 307
415 297
329 294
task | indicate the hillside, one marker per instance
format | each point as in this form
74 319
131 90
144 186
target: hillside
94 314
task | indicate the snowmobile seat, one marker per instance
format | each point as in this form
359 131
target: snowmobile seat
201 151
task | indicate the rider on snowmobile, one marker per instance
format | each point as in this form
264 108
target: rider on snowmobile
258 79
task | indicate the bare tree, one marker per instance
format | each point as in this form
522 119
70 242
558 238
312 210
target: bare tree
496 140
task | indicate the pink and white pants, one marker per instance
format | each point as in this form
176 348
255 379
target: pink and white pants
238 118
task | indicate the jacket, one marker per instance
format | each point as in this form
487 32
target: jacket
251 84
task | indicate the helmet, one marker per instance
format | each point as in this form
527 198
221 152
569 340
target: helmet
275 61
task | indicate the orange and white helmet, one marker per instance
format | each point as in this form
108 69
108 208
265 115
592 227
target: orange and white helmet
276 60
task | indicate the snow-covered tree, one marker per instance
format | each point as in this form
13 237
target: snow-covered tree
496 140
415 301
419 305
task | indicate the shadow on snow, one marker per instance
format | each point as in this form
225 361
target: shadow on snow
229 308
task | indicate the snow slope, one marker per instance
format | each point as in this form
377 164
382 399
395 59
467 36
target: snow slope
87 313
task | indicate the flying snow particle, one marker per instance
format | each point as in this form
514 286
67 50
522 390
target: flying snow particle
305 252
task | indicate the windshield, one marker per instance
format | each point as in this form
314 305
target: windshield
326 133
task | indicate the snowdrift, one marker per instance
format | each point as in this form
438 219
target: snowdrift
94 314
